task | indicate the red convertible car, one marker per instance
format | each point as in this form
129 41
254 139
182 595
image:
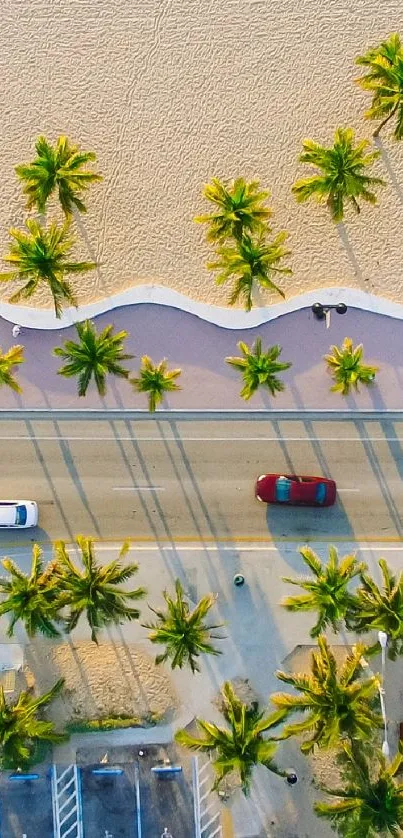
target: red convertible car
294 490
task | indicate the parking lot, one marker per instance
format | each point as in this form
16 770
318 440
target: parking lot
26 806
124 798
130 797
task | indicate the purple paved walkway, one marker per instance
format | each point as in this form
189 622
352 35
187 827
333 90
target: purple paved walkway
199 348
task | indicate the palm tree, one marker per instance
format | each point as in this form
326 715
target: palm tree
57 168
155 379
249 261
183 632
346 367
21 730
33 598
384 79
240 209
381 608
94 589
236 749
258 368
41 256
327 593
337 704
342 175
8 360
96 355
370 801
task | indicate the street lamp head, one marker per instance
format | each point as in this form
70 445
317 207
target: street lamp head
383 639
341 308
318 310
385 748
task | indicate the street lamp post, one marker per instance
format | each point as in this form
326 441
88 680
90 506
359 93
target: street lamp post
322 312
383 642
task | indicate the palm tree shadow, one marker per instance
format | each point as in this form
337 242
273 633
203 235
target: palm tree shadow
93 254
389 168
364 282
69 460
83 674
123 655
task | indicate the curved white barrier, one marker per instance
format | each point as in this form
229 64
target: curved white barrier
228 318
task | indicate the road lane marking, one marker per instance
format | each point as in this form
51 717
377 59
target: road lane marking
138 489
347 490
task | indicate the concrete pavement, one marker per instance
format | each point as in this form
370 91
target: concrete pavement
167 480
200 349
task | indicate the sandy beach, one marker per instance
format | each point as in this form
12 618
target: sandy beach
167 99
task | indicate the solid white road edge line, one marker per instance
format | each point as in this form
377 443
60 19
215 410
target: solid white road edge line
226 548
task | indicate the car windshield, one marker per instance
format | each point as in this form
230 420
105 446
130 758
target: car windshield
283 487
21 516
320 493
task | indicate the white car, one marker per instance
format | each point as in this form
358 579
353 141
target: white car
16 514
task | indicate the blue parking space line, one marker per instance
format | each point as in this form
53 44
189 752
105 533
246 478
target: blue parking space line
166 769
24 777
138 800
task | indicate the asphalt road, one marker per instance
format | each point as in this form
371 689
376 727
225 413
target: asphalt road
194 480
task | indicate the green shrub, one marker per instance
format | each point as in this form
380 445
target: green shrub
112 723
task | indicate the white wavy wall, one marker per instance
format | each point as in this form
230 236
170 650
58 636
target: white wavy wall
170 93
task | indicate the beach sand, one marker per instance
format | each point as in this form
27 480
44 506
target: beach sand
169 95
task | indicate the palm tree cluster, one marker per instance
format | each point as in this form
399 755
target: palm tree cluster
260 368
239 230
238 227
54 597
60 593
342 175
40 255
367 607
337 702
99 354
339 705
51 599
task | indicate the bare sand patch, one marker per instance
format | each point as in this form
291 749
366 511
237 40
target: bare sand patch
112 679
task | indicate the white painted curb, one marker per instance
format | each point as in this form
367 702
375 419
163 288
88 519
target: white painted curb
228 318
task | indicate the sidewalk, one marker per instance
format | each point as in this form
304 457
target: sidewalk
199 349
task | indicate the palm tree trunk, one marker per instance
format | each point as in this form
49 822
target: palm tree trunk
355 204
384 121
